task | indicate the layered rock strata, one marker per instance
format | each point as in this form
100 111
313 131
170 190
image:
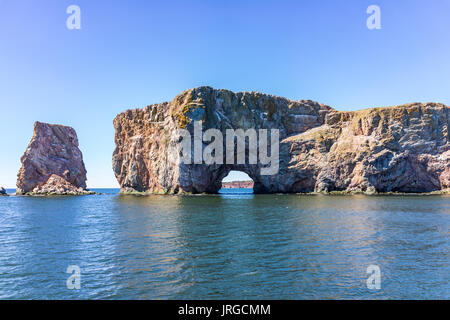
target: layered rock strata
392 149
52 163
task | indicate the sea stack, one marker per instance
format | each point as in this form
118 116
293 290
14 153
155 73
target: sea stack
52 163
3 191
402 148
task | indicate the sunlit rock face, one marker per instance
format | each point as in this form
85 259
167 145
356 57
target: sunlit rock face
52 162
394 149
400 149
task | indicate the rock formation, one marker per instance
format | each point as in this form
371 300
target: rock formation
238 184
57 185
392 149
3 192
52 163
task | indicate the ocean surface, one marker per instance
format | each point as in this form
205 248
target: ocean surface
235 245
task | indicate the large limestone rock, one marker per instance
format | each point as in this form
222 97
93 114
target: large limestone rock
394 149
52 163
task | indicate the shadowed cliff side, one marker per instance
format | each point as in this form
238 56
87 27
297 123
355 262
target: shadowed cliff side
393 149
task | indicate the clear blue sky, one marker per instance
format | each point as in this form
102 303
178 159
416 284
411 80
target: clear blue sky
129 54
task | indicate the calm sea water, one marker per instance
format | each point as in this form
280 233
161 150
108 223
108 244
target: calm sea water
235 245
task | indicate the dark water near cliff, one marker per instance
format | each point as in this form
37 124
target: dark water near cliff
231 245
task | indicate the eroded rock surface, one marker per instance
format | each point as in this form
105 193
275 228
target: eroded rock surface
52 163
394 149
56 185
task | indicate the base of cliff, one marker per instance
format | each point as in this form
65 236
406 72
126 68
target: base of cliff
57 193
56 186
372 193
330 193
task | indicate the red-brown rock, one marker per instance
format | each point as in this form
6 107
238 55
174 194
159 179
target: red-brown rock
52 153
56 185
238 185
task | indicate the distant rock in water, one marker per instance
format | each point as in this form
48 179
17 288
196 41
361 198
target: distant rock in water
3 192
392 149
52 163
238 185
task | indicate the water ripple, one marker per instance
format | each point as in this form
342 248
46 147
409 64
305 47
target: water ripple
225 246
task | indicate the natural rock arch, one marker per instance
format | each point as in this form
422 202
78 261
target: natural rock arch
214 181
404 148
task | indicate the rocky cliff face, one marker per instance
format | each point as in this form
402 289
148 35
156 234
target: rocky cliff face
52 163
399 149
